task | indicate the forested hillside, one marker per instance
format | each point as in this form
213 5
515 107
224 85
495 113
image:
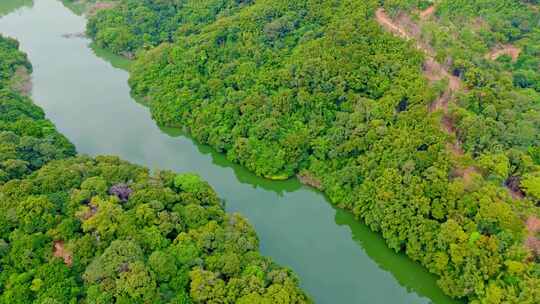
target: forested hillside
430 140
75 229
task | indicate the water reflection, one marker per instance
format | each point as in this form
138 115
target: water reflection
242 174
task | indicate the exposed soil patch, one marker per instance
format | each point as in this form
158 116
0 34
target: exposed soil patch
434 71
506 49
22 81
92 210
389 24
100 6
513 184
60 251
466 174
404 27
307 178
428 12
533 241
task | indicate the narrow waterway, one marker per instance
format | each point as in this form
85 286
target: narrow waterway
87 96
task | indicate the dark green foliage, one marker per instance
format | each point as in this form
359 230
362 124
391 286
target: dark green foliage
268 83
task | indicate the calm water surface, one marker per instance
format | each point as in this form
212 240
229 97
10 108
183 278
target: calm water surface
338 259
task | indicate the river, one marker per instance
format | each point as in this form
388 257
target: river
85 93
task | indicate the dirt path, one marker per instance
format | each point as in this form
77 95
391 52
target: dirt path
404 27
506 49
533 240
100 6
434 71
389 24
427 13
60 251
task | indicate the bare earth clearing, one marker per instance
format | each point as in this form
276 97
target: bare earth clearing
22 81
533 238
100 6
507 49
60 251
427 13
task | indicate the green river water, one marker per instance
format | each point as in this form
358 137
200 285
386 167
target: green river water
85 93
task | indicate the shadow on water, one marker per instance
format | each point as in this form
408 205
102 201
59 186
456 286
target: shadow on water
219 159
116 61
242 174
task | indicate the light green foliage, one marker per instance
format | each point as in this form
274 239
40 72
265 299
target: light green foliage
531 184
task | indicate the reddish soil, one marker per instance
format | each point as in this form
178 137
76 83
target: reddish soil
434 71
60 251
307 178
22 81
100 6
427 13
533 240
501 50
389 24
404 27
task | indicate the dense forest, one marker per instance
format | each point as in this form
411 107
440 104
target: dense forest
76 229
431 140
144 24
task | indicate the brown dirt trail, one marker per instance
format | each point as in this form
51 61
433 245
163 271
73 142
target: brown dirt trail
60 251
427 13
506 49
533 240
434 71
